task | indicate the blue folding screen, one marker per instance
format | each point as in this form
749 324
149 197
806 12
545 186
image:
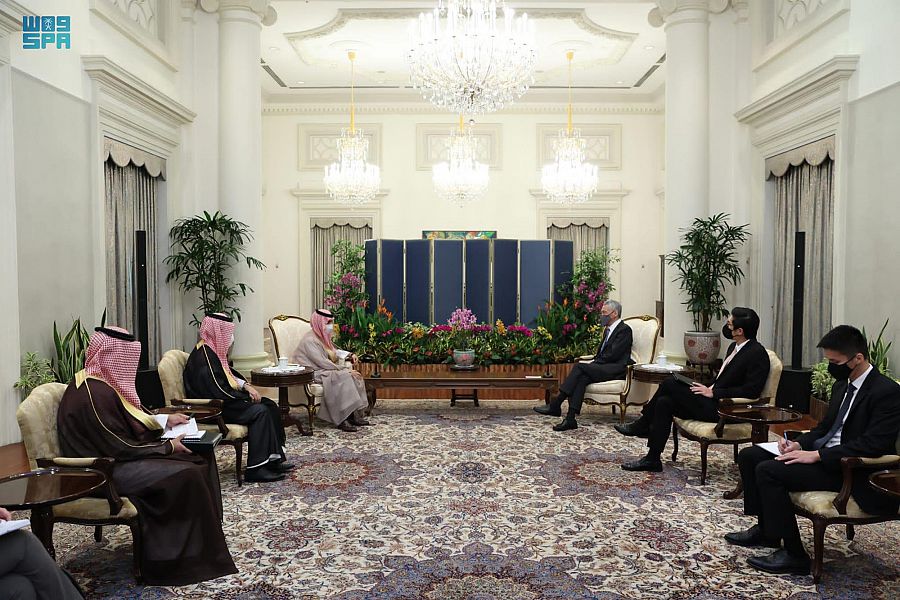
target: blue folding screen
426 280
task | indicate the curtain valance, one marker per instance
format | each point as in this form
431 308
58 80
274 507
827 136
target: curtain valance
123 155
326 222
563 222
813 153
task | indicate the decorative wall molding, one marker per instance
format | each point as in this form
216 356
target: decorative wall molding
789 14
11 14
148 23
802 111
337 108
318 198
604 144
317 144
788 25
431 144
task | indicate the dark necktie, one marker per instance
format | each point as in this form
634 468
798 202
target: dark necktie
605 339
839 421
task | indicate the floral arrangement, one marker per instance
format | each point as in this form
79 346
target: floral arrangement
462 325
345 291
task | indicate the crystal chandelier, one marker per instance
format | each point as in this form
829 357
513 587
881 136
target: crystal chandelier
569 179
351 179
462 178
464 59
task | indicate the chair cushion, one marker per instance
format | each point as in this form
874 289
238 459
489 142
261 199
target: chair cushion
316 389
235 431
171 374
704 429
614 387
36 416
820 503
93 508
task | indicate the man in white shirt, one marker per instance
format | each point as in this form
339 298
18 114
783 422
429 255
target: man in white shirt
863 420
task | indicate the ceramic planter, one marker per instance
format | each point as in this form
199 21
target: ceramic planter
702 347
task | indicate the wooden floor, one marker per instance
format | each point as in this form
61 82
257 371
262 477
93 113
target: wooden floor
14 460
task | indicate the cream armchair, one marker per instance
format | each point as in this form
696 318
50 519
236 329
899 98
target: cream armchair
707 433
826 508
171 374
645 335
286 333
36 416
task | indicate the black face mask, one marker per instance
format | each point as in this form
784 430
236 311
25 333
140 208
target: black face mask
605 319
839 372
726 331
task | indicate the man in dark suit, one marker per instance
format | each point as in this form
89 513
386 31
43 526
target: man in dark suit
612 358
863 419
743 375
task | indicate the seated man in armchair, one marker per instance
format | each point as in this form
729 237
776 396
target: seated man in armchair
743 375
863 419
611 361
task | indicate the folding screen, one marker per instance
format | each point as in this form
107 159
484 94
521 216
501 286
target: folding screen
563 262
534 279
477 261
448 279
418 280
506 280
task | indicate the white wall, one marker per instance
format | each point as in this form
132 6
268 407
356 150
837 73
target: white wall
508 207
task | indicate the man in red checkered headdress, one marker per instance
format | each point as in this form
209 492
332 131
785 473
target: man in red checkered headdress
100 415
207 374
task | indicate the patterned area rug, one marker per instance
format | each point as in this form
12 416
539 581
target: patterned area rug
488 503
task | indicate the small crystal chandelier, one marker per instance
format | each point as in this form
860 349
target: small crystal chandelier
461 58
462 178
569 179
352 180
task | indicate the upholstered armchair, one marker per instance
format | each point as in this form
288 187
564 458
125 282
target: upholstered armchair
826 508
36 416
724 432
645 335
171 374
286 333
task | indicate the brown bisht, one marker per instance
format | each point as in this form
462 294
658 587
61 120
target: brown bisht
176 495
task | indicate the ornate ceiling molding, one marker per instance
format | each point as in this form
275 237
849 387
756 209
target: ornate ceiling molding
295 108
669 12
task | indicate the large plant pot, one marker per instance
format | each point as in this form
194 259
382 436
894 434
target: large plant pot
702 347
463 358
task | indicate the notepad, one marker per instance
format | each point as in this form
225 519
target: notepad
189 429
770 447
534 377
10 526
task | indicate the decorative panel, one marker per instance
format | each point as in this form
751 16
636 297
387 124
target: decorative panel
317 144
431 144
790 13
478 278
418 281
506 280
372 271
392 276
604 144
142 12
448 278
563 261
534 279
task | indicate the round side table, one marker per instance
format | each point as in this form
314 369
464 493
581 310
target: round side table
886 482
41 489
284 381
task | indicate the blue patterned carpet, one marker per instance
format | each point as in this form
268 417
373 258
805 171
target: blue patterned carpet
488 503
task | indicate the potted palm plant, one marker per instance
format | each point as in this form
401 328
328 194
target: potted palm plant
707 261
204 249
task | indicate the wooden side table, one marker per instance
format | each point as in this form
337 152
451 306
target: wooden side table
41 489
284 381
886 482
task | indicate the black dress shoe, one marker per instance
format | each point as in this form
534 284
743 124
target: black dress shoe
751 538
358 422
644 464
566 424
633 429
281 467
781 562
346 426
548 410
262 475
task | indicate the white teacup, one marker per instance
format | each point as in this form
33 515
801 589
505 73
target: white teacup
282 362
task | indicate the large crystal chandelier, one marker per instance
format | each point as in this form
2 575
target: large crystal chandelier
461 178
569 179
463 58
352 180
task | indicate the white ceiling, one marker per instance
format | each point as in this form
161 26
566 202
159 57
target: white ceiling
306 50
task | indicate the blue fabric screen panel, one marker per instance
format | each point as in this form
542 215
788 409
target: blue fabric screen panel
563 262
418 281
534 283
478 279
506 280
392 276
371 272
448 278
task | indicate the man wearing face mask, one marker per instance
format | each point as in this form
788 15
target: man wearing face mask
863 419
207 374
743 375
612 358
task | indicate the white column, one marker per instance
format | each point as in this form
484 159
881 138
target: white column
240 156
10 24
686 24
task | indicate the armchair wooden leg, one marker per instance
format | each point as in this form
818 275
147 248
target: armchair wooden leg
238 460
704 447
851 532
674 443
623 408
735 448
819 526
98 533
136 545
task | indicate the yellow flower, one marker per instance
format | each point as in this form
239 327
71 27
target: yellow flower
417 332
501 328
544 333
